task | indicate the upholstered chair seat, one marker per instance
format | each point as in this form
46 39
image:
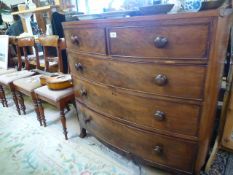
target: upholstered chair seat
7 71
27 86
54 95
9 78
28 83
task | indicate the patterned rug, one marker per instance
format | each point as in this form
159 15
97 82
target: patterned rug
222 165
27 148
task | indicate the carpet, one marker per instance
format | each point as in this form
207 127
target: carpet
222 165
27 148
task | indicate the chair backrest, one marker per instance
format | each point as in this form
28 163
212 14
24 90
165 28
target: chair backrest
51 41
12 50
13 40
24 43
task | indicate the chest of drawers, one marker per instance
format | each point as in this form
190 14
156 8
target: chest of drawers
148 85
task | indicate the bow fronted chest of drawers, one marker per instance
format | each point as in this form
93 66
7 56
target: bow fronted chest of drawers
148 85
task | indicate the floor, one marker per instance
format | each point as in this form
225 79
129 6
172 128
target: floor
223 163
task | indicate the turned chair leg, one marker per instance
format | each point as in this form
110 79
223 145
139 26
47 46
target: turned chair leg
67 108
21 102
63 122
36 108
83 132
15 99
73 103
41 112
3 97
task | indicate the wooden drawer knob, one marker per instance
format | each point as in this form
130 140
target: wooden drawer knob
83 92
75 39
161 80
79 67
158 149
159 115
160 41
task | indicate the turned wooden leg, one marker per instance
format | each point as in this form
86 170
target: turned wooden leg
67 108
83 132
36 108
41 112
73 103
15 98
63 122
77 113
21 102
3 97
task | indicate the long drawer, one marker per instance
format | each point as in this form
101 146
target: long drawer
176 117
170 41
183 81
163 150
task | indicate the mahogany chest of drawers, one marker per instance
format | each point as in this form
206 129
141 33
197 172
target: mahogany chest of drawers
148 85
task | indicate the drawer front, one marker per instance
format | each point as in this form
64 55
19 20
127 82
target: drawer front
150 147
86 40
161 79
144 111
181 41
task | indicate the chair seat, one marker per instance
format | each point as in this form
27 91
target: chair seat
29 83
9 78
54 95
7 71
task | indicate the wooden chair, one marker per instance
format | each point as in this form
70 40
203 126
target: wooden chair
32 60
51 61
27 85
9 78
58 98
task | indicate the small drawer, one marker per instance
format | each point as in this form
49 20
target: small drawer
147 112
181 41
174 80
86 40
163 150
